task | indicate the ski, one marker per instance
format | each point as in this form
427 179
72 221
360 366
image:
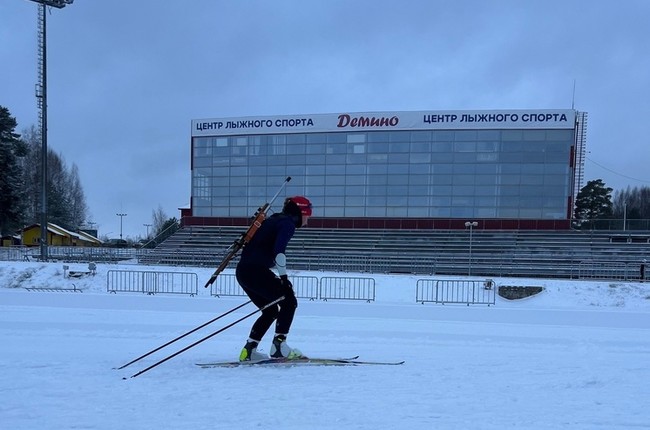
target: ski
350 361
272 361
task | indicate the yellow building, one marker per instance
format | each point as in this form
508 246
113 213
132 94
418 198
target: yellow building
58 236
11 240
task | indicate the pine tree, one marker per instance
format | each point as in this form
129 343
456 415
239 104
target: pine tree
12 201
594 202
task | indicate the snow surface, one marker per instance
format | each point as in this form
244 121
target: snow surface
575 356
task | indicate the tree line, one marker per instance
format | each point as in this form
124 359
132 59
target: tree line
595 203
20 186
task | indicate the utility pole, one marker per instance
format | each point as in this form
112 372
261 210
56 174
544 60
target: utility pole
41 100
147 225
471 226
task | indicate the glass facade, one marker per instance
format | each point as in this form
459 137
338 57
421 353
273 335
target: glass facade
475 173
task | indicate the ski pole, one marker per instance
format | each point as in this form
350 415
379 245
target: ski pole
182 336
274 302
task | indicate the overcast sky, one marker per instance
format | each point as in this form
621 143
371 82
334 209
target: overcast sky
126 77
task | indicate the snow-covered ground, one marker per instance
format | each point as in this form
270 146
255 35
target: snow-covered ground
575 356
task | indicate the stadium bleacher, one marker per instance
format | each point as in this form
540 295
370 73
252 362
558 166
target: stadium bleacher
530 253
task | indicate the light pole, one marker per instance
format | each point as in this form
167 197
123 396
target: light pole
121 217
41 99
147 225
470 225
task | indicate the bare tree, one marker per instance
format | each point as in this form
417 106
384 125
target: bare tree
159 219
634 203
66 201
32 172
58 203
78 207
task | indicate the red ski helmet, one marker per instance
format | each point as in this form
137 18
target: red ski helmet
303 204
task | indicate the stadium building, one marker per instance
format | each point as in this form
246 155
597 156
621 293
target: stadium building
505 169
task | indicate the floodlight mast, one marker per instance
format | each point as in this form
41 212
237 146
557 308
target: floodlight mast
41 98
59 4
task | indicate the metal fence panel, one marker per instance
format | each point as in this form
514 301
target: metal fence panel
14 253
602 270
174 282
226 285
86 254
123 281
149 282
305 287
455 291
347 288
425 290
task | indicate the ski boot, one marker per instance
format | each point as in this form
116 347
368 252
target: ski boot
249 352
280 348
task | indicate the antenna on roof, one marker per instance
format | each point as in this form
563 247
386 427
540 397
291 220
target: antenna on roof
573 96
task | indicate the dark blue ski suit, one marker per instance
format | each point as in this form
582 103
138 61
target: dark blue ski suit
255 276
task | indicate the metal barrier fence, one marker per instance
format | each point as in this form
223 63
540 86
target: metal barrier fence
149 282
14 253
607 270
455 291
308 287
347 288
74 289
86 254
226 285
305 287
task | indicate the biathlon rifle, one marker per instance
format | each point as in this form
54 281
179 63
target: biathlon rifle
246 237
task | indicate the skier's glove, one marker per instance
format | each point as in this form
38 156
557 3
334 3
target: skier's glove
285 282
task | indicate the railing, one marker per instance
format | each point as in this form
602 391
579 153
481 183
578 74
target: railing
305 287
149 282
608 270
83 254
455 291
15 253
347 288
524 261
353 262
74 289
494 253
308 287
226 285
631 225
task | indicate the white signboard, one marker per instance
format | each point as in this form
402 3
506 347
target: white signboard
386 121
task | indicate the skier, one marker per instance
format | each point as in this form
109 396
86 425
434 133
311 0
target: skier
265 251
